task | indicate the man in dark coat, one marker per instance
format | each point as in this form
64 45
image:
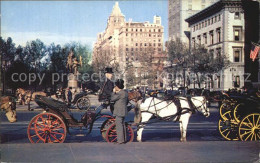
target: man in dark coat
69 95
106 90
120 97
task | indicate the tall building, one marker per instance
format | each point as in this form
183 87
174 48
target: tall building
178 11
127 44
227 28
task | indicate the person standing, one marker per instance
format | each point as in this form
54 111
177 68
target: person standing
69 95
120 97
106 90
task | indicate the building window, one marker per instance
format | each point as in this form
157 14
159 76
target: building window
218 35
126 49
126 34
202 6
237 15
218 53
193 28
237 33
203 1
190 7
237 81
193 41
141 44
149 35
140 30
136 44
206 23
126 29
159 49
237 54
202 24
211 37
218 81
159 44
132 49
205 38
199 40
219 17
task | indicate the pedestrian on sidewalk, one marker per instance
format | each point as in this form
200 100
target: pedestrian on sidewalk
69 95
120 97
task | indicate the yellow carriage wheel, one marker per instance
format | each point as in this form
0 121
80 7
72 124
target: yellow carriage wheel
235 113
228 127
249 128
224 108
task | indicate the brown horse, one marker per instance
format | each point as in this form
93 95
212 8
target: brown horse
135 96
25 96
9 106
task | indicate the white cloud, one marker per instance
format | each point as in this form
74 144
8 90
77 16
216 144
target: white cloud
20 38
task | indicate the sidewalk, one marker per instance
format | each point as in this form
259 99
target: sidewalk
210 151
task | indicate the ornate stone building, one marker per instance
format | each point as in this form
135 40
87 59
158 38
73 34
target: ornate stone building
224 29
178 11
124 45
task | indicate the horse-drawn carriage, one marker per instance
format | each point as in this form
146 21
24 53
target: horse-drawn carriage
240 118
53 125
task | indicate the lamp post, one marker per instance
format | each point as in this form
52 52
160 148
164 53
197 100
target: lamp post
184 66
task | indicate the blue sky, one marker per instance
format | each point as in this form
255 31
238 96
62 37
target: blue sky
65 21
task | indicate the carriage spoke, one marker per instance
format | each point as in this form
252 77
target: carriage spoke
248 136
246 129
258 135
114 139
245 133
257 122
57 140
253 120
57 133
249 122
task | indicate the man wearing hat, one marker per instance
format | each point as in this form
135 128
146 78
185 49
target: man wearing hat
120 97
106 90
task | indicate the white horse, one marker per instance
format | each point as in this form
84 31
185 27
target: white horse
168 109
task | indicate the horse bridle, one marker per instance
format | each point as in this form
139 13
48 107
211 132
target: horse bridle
202 105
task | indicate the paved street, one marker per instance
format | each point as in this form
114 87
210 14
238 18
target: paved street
161 143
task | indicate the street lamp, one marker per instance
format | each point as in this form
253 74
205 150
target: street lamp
184 66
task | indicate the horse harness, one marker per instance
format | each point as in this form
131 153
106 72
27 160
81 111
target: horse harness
180 110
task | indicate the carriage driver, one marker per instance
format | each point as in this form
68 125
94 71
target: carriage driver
120 97
106 91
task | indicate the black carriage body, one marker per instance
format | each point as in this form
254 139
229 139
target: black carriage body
60 109
247 106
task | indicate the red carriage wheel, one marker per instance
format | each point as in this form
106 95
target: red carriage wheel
46 128
111 135
104 127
